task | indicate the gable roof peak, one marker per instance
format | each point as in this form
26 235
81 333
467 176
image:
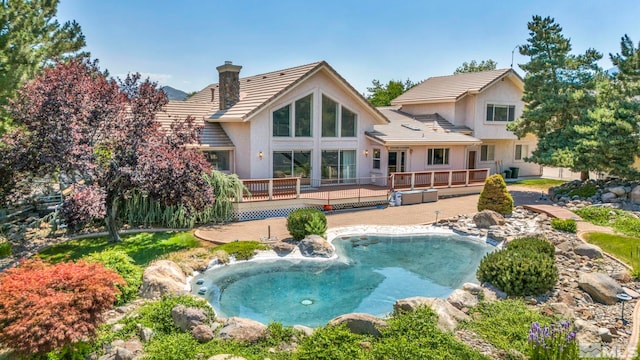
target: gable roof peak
448 88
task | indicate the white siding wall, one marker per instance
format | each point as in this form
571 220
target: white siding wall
239 133
505 156
262 140
505 93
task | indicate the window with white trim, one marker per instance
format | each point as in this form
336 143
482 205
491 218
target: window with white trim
295 118
487 152
522 151
438 156
337 120
376 158
501 113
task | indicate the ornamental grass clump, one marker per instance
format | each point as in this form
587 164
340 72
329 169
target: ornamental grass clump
554 342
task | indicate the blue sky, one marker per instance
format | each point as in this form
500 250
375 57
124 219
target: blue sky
179 43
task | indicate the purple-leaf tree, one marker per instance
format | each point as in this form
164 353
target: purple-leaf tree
102 133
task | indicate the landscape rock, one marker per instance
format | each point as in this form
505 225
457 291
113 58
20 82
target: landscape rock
634 294
621 276
588 250
492 293
226 357
461 299
282 248
304 329
608 197
448 315
145 333
186 318
487 218
617 190
635 195
123 350
475 289
202 333
316 246
360 323
163 277
605 335
242 329
563 310
601 287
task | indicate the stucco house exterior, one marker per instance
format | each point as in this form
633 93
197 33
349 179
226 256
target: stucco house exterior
478 104
308 122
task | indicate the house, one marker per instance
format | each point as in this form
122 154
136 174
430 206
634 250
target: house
479 105
306 128
306 122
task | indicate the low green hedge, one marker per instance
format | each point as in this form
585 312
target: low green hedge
522 269
566 225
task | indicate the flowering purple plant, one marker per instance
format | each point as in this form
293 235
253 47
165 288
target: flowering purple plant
553 342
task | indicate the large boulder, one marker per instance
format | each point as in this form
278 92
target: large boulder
487 218
601 287
635 195
163 277
588 250
316 246
186 318
360 323
448 315
242 329
461 299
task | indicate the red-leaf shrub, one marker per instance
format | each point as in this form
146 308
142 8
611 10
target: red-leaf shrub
85 204
45 307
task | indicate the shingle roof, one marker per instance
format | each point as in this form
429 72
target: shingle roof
453 87
211 135
259 90
393 113
404 129
254 91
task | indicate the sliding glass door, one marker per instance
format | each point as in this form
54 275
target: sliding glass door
338 166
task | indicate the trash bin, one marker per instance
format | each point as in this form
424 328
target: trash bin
514 172
507 174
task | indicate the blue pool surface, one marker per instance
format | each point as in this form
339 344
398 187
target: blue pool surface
369 275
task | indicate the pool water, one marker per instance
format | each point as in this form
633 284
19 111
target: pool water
369 275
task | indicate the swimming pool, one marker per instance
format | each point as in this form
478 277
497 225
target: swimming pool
369 275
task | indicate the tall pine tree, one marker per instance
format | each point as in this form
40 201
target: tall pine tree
558 93
29 37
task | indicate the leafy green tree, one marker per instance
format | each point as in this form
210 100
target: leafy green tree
474 66
381 95
30 36
559 92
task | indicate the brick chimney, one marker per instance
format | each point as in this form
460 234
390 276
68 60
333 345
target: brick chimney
229 84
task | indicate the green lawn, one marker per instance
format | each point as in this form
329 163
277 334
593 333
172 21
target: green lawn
142 247
625 248
537 184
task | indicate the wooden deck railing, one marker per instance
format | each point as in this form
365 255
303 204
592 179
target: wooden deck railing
290 188
435 179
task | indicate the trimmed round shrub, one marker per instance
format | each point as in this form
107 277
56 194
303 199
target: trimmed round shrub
532 244
521 270
302 222
123 264
568 225
495 196
5 249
